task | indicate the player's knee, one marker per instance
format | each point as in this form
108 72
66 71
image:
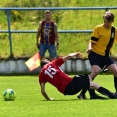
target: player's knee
94 85
115 73
95 72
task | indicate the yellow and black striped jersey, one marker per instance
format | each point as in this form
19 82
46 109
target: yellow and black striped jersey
103 39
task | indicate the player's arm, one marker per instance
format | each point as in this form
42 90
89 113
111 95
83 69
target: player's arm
56 35
44 92
90 47
94 39
38 35
72 55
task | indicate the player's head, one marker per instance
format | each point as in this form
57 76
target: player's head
48 12
44 62
48 15
109 16
108 19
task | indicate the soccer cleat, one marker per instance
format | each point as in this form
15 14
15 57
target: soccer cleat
97 97
81 96
115 95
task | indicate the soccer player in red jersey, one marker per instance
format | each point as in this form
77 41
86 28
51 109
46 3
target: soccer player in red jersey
52 73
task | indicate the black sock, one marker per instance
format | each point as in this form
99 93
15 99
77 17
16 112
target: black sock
115 83
92 92
106 92
83 91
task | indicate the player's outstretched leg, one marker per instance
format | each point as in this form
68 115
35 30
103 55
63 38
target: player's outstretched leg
93 95
102 90
107 93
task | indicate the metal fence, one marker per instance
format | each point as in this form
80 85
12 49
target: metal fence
9 31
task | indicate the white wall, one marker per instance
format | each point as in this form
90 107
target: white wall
19 67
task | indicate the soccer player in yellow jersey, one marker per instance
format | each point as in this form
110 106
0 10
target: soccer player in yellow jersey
101 42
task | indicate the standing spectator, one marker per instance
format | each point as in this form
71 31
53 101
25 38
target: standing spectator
101 42
47 32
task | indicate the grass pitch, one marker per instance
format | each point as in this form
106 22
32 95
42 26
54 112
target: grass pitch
30 103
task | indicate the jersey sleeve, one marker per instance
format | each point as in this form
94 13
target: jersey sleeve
41 79
58 61
116 34
95 35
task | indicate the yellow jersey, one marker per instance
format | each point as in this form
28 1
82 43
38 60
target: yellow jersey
103 39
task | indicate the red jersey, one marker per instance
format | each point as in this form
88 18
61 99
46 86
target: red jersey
54 75
47 33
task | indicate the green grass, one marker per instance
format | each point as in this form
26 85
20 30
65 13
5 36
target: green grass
30 103
25 44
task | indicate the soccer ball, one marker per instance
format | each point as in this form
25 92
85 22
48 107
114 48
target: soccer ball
9 95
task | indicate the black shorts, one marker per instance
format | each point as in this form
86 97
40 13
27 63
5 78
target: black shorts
78 83
101 61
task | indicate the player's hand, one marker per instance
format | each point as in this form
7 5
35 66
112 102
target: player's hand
78 55
57 46
89 50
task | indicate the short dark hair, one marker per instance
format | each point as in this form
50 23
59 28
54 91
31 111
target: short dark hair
44 62
47 11
109 16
